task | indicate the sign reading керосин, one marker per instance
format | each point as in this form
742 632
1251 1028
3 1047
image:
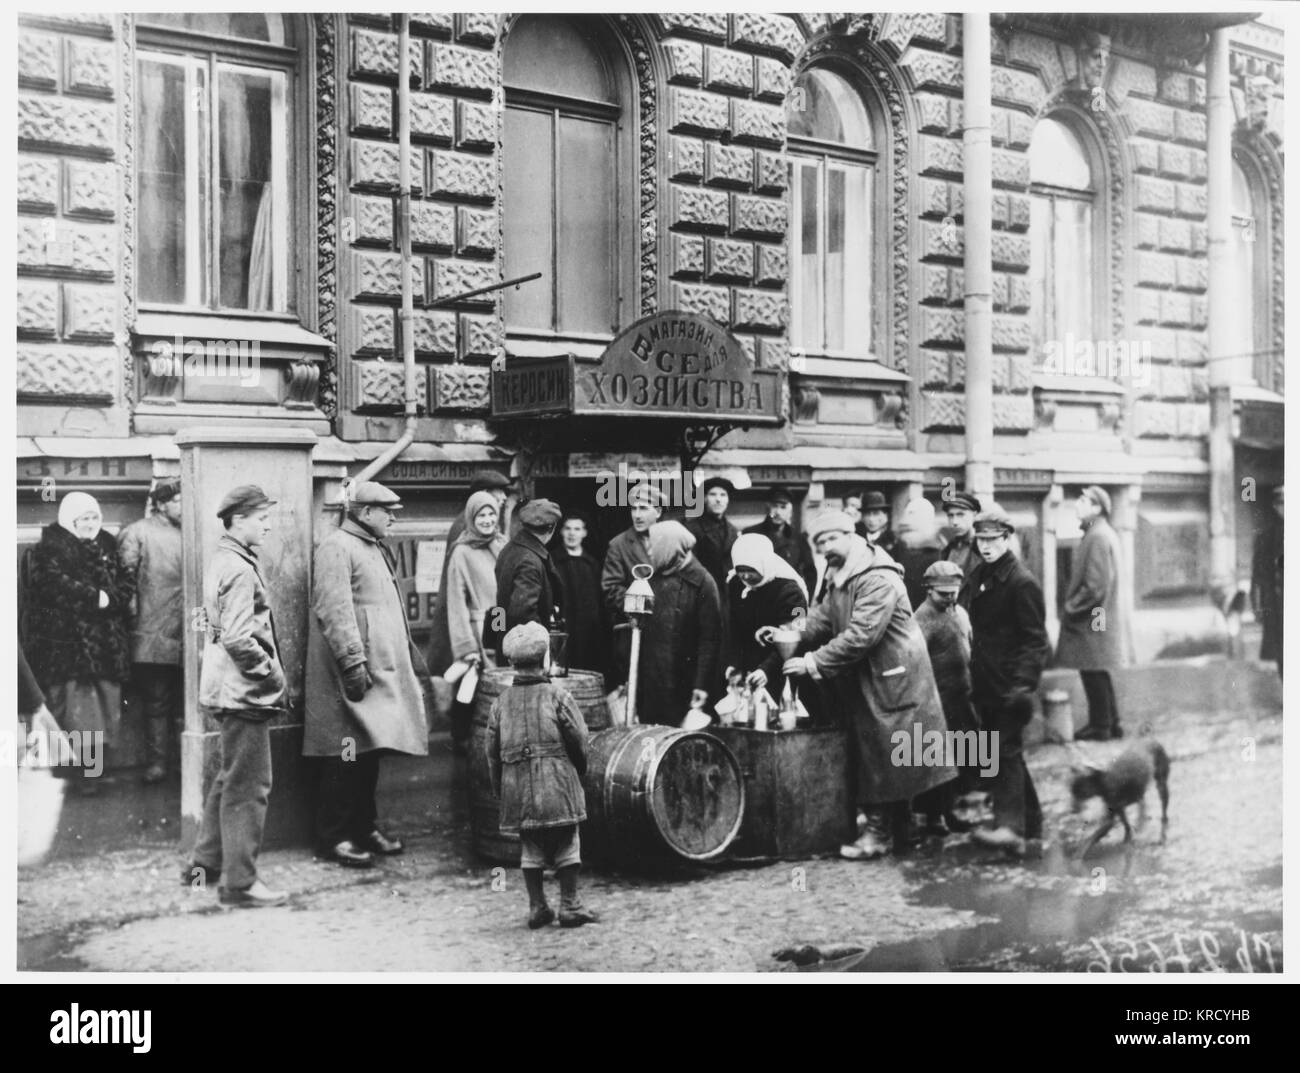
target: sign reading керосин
676 364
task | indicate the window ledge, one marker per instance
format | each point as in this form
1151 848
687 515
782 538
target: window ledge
279 333
846 369
554 346
1077 385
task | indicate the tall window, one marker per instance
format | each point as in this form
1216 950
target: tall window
832 235
1249 327
214 163
566 205
1062 233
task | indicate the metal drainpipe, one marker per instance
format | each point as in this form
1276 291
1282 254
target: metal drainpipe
404 244
977 171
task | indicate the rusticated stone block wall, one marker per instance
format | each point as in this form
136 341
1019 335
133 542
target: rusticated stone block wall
68 239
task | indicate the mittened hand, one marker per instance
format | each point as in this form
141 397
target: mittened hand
356 682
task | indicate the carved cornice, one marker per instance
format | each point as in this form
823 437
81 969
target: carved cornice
648 177
327 180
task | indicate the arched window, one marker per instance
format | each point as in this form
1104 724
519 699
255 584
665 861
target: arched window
833 162
1063 259
215 161
1251 278
567 161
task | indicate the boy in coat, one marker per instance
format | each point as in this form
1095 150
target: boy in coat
537 753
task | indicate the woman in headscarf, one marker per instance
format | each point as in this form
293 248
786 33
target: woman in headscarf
470 592
681 641
917 545
763 590
79 598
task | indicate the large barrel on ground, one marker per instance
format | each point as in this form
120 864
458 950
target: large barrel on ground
587 688
656 793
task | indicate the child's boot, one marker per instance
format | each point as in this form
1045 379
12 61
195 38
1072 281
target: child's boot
572 912
539 913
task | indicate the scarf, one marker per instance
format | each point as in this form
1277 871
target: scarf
470 535
670 547
756 552
72 507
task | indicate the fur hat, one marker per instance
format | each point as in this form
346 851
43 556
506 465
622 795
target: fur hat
831 521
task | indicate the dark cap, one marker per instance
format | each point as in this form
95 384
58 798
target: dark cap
244 500
777 494
962 501
489 480
373 494
874 501
648 494
993 522
718 482
540 514
166 491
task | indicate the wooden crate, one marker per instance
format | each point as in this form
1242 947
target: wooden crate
798 801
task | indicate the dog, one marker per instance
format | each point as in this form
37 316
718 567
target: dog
1122 784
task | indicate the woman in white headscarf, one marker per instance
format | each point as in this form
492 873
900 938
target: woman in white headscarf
470 593
78 598
763 590
682 640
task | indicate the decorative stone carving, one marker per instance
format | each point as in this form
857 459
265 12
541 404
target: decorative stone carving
806 403
303 378
66 372
461 387
1259 98
325 26
1093 51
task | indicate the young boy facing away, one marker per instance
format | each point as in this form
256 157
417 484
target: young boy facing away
537 753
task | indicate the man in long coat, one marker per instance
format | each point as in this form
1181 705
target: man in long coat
713 533
363 694
863 641
1092 626
529 588
787 541
630 548
1009 649
1266 582
150 550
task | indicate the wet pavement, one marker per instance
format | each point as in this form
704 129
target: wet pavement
1211 897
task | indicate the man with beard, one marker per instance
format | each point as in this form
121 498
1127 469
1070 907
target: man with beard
864 643
787 542
961 510
1009 649
363 695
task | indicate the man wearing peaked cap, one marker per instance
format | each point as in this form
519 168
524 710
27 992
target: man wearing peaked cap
779 528
630 548
363 693
1093 626
1009 649
529 588
246 499
961 509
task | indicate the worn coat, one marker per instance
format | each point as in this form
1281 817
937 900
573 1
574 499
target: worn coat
624 552
67 634
1009 646
1266 586
776 603
714 536
584 611
681 645
471 592
962 551
240 670
358 615
528 588
150 550
788 543
948 639
1092 624
536 748
864 643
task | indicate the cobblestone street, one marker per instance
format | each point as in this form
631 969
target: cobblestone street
1215 887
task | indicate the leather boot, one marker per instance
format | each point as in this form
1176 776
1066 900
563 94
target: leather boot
572 912
539 913
874 840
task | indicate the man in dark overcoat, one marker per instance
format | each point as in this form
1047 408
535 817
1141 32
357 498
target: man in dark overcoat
529 588
1092 623
630 548
786 540
1266 582
961 509
1009 649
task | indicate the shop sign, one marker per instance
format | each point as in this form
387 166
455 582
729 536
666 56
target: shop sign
79 471
1262 424
533 387
677 364
431 471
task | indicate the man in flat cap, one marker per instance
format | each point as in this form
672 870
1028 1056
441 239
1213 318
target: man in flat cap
150 550
363 696
961 508
1009 649
1092 624
787 542
529 588
501 488
242 687
1266 580
863 642
630 548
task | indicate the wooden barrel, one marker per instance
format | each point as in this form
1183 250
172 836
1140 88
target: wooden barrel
656 792
587 688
